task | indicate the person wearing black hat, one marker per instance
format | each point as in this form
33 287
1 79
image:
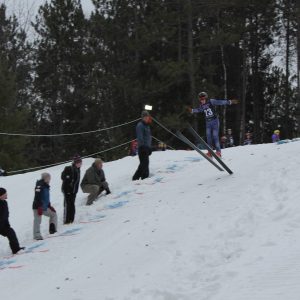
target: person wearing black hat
70 183
5 229
144 138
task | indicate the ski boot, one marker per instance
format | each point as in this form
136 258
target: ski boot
209 154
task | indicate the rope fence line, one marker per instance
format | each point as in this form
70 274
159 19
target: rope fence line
80 133
68 161
158 140
68 134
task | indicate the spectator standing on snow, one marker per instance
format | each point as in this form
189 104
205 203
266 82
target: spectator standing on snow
144 137
248 140
133 151
3 172
229 139
276 136
161 146
5 229
223 141
42 207
70 184
94 181
207 106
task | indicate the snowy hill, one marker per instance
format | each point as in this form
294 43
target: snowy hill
189 232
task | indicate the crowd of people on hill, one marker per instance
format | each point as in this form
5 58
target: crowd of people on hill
94 181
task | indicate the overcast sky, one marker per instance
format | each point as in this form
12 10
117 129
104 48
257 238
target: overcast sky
33 5
26 10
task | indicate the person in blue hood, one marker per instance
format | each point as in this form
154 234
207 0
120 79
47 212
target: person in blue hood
42 207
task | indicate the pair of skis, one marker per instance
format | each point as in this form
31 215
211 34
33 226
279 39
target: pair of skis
207 147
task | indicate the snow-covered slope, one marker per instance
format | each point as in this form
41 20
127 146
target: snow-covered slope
189 232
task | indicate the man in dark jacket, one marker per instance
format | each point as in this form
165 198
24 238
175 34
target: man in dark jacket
94 181
144 138
70 184
5 228
42 207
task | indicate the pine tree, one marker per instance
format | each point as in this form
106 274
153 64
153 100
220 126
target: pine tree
13 92
63 67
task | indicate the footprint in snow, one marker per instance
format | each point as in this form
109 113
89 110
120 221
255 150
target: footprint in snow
116 204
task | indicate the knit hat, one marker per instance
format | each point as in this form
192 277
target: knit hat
77 159
145 113
98 161
2 191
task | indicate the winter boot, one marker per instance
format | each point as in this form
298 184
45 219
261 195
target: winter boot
219 154
52 228
16 251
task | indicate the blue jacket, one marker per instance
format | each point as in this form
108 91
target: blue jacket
42 195
209 108
143 134
275 138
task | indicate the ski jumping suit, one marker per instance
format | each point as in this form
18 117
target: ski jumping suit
212 120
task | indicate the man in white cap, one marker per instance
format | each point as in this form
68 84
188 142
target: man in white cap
5 229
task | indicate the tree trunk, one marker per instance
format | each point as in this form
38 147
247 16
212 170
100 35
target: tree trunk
224 125
298 59
287 128
179 42
225 87
191 59
179 46
244 91
298 47
257 103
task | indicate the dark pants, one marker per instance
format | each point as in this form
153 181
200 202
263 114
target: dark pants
212 133
12 237
143 170
69 208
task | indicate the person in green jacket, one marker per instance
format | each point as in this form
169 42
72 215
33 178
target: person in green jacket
94 181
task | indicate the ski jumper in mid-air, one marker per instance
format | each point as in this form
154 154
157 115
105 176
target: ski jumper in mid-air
207 106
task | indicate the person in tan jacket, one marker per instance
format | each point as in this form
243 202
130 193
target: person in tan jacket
94 181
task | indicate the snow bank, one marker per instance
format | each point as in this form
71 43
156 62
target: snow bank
189 232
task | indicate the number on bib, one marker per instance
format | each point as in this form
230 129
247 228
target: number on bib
208 112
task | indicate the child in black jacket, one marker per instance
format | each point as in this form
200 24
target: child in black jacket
70 184
5 228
